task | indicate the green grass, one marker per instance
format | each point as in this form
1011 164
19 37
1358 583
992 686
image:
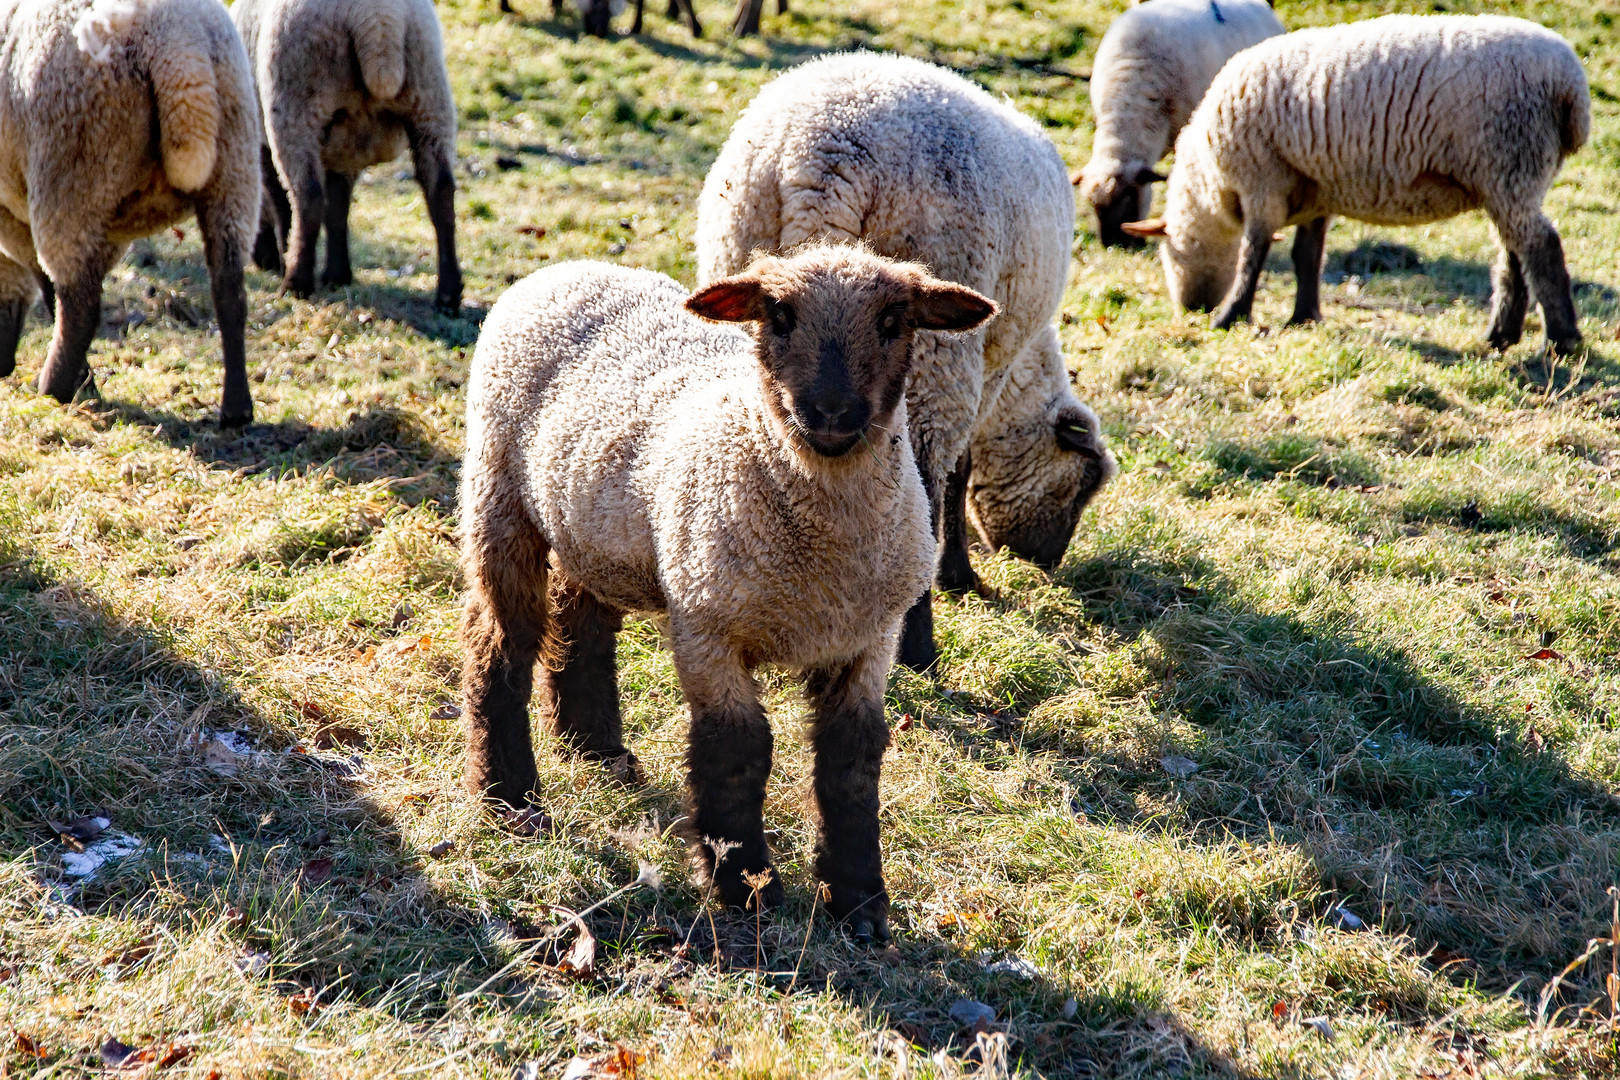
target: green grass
1319 576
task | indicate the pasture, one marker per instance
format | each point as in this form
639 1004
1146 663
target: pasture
1304 763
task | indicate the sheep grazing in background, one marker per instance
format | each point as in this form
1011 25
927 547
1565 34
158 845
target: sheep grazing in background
1396 121
121 118
920 164
1151 70
343 85
596 16
757 486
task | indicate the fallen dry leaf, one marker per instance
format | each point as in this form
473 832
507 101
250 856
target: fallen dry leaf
115 1053
315 871
1533 741
132 955
442 848
528 821
905 723
334 736
1545 654
620 1061
1320 1025
1279 1009
79 831
304 1002
536 231
447 711
28 1046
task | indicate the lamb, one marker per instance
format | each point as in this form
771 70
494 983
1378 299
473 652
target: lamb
923 165
1303 127
1151 70
759 487
120 118
343 85
597 15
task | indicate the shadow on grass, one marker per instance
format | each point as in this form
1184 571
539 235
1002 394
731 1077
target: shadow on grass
1432 812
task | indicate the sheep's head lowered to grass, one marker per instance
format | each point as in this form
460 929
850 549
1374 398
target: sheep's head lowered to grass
833 328
1120 192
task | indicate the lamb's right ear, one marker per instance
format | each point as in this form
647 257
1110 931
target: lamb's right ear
1150 227
945 305
732 299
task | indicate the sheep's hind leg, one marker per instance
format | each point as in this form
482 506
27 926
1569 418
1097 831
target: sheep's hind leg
275 218
1239 301
1544 266
339 191
501 631
78 314
308 200
1310 246
225 280
955 573
438 184
849 734
1510 300
16 297
582 680
728 762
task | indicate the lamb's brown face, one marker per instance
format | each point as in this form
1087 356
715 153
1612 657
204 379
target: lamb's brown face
833 330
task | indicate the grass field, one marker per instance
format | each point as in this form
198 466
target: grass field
1321 579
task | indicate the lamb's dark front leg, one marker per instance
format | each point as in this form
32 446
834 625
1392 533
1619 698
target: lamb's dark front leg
1510 300
1239 301
275 217
955 573
502 626
1310 246
728 763
78 314
225 280
1543 255
339 192
849 734
432 158
582 679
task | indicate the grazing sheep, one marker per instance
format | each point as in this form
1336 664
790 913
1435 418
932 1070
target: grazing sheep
117 119
343 85
1151 70
921 164
759 487
597 15
1397 121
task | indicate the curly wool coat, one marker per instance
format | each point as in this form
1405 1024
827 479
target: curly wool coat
119 118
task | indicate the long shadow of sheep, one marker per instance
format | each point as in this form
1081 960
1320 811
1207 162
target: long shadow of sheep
1416 807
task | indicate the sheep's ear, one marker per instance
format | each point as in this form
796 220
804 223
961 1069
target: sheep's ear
1148 176
943 305
1151 227
1073 433
732 299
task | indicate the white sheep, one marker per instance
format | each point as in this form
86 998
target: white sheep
759 487
1397 121
1150 72
120 118
921 164
344 85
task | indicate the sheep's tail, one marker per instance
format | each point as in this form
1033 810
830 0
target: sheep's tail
1577 125
378 30
182 73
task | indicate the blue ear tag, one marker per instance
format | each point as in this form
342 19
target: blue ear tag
1216 9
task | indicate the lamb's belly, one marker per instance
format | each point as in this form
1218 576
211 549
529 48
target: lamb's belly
803 631
1428 197
360 139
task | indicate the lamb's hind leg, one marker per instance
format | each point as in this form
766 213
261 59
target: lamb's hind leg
225 280
1310 245
17 287
339 192
955 573
1543 255
849 734
78 314
1510 300
728 763
582 680
275 217
432 158
504 559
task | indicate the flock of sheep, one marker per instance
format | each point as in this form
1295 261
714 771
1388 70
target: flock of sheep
786 460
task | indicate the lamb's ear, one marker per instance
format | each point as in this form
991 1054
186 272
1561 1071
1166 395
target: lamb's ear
732 299
1148 176
944 305
1073 433
1150 227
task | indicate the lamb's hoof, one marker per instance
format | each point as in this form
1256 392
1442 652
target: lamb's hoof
301 285
749 890
622 766
1565 346
1225 320
956 576
267 256
864 912
1502 342
235 419
337 279
448 304
1305 319
502 790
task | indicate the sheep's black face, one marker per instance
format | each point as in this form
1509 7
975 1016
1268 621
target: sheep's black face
834 328
1124 198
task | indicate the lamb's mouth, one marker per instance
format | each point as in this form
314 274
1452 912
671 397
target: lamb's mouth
829 444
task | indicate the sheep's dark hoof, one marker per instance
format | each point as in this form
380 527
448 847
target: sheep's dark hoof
337 278
1226 318
732 885
865 913
300 285
266 253
236 419
956 574
1501 341
1565 346
504 787
917 650
1305 318
448 303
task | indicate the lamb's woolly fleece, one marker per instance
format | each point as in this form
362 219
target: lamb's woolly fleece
1151 71
77 87
636 438
1397 121
920 164
301 63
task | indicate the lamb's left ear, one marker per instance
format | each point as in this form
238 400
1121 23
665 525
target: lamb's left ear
945 305
1073 433
732 299
1150 227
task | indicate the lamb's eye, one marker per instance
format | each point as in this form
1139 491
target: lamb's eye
781 319
889 324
